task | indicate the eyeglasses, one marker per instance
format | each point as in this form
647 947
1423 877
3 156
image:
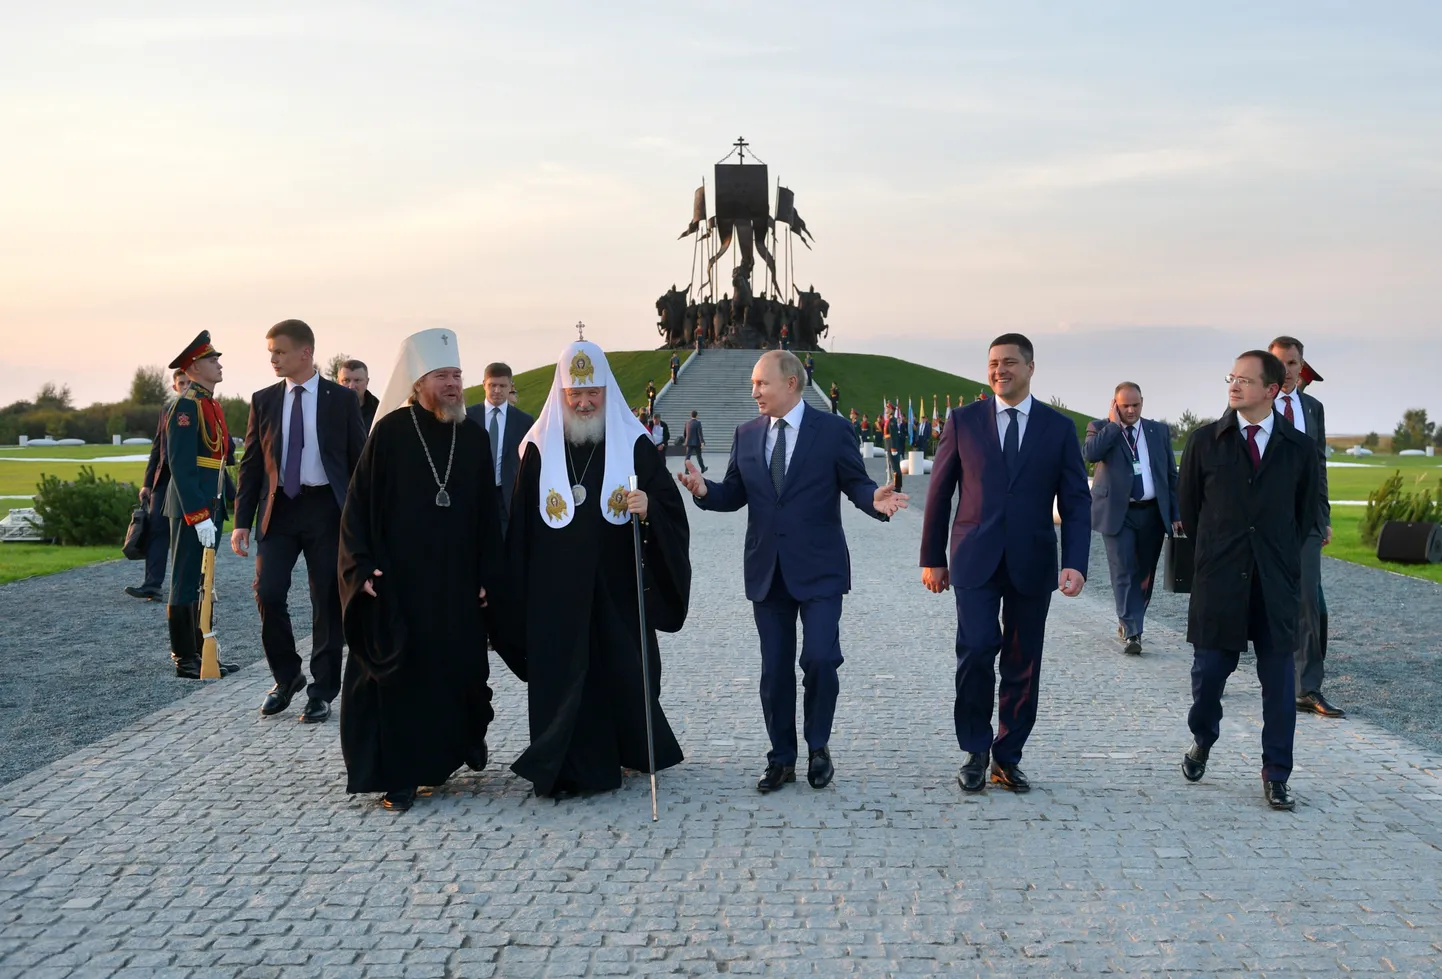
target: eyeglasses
1239 379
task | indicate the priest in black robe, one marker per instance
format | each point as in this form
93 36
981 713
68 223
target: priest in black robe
421 569
572 568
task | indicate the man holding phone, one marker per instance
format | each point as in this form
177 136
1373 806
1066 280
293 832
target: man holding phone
1134 503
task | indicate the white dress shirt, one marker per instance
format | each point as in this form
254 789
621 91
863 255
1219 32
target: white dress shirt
498 450
1263 436
1003 419
793 423
1299 417
1149 486
312 473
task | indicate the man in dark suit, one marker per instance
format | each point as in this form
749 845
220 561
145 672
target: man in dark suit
506 425
302 442
1134 503
1306 415
355 375
1248 497
789 468
1012 457
152 496
695 440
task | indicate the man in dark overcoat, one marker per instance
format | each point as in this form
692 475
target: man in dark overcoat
1247 491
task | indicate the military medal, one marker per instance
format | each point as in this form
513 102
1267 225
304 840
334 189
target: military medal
442 497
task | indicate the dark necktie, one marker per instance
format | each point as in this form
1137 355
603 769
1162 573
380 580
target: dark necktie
778 458
295 442
1287 408
496 442
1253 449
1138 491
1011 445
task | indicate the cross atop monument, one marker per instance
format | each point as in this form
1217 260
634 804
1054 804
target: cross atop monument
741 145
580 330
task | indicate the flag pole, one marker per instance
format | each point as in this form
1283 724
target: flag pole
645 657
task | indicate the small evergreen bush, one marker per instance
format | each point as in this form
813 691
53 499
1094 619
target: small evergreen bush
1390 502
89 511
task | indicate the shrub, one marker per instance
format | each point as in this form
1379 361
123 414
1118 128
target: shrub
89 511
1390 502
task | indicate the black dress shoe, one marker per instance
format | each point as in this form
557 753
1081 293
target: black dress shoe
1278 795
973 771
819 769
1133 646
1009 777
187 669
316 710
1315 703
398 800
144 594
476 758
1194 762
279 697
776 776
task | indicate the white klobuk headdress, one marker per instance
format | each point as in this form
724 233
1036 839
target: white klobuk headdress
421 353
584 365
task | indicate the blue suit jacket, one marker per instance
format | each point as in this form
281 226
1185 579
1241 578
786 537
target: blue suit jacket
998 515
1112 486
799 532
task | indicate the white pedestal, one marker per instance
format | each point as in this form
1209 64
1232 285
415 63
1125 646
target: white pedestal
24 440
115 440
867 449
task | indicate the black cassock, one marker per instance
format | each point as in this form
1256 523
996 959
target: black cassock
415 703
581 634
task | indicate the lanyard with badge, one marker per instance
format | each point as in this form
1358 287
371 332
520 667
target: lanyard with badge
1135 448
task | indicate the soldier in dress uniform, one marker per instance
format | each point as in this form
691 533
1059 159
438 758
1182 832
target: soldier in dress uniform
197 447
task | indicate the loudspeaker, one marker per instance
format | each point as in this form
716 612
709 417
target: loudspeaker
1180 553
1410 543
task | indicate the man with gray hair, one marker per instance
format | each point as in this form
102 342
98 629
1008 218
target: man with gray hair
789 468
1134 503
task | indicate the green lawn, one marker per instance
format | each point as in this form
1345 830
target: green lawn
27 560
633 368
21 478
1347 545
73 451
1354 483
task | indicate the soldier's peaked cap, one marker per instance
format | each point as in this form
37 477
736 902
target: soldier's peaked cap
197 349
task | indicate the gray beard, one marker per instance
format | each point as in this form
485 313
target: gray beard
451 411
584 431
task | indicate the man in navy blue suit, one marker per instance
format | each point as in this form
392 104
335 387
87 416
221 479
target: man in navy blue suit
1134 503
1012 458
789 468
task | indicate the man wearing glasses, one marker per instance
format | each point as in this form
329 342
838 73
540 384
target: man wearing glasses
1248 497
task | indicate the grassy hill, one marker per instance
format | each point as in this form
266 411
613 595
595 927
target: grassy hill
633 368
864 379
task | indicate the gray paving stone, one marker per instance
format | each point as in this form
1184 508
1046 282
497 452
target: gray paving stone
145 854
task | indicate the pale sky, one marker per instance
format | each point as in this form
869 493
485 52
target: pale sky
1080 171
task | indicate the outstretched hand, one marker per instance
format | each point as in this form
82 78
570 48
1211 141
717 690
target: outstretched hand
888 500
692 480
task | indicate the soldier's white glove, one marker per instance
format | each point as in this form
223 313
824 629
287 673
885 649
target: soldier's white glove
205 530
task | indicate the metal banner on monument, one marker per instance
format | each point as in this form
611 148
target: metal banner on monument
726 306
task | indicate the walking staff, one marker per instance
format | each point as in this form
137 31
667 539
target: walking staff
645 667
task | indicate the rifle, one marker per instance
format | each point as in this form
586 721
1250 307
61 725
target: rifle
210 649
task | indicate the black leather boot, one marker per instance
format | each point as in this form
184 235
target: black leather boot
183 634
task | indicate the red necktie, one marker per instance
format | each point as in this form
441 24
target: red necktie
1253 449
1287 408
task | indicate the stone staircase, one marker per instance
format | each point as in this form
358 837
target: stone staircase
717 386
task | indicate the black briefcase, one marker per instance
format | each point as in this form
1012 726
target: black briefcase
1178 564
137 535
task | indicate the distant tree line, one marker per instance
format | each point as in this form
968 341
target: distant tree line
52 412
